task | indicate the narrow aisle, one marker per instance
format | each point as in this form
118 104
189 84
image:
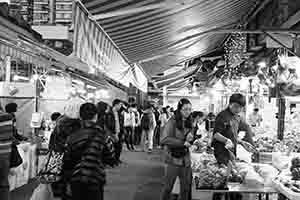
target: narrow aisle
140 177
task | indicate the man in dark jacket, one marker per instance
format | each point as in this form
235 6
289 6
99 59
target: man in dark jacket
227 126
88 151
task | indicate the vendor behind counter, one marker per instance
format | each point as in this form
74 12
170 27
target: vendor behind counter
227 126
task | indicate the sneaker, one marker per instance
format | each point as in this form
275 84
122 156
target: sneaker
149 151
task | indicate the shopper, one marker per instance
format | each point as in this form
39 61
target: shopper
102 111
118 132
148 124
66 125
6 134
198 118
164 117
129 124
210 121
137 130
54 118
12 108
255 118
87 153
178 159
227 126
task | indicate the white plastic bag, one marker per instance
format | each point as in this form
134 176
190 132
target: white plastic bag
267 172
243 154
280 160
252 178
43 192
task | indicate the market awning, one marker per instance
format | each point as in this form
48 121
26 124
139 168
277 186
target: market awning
159 33
94 47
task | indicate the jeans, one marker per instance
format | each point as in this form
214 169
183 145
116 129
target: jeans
157 135
147 139
185 178
119 146
4 185
137 135
129 138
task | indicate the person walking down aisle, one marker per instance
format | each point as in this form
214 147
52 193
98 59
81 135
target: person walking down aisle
6 135
12 108
66 125
178 134
129 124
87 152
255 119
117 105
148 124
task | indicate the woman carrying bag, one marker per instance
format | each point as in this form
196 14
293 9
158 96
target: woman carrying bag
178 160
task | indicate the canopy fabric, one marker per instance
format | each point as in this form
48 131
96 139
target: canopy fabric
160 37
169 79
94 47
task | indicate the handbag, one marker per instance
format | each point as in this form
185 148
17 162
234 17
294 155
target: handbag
52 171
15 157
53 168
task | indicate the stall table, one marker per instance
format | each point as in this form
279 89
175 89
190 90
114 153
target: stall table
233 188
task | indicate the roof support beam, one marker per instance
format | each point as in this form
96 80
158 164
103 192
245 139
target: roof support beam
135 10
283 45
222 31
294 19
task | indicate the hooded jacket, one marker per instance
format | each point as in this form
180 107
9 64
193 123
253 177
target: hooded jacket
65 126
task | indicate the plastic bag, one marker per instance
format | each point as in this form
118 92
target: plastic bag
253 178
43 192
243 154
280 160
267 172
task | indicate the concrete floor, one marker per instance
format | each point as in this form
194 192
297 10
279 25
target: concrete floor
138 178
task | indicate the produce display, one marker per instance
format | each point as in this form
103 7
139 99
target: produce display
200 145
287 182
287 185
208 174
266 138
295 169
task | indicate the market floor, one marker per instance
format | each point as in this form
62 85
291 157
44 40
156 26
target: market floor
140 177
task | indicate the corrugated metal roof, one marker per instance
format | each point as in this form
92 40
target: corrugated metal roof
155 33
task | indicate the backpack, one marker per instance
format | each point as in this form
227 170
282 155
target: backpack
146 121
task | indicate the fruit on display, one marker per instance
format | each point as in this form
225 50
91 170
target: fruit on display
295 168
236 178
296 173
212 176
292 185
208 174
295 162
295 187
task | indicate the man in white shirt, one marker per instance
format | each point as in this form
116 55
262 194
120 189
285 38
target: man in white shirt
255 118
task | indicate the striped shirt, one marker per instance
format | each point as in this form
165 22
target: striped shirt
6 135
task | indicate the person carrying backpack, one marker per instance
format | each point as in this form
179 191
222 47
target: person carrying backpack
87 152
148 124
